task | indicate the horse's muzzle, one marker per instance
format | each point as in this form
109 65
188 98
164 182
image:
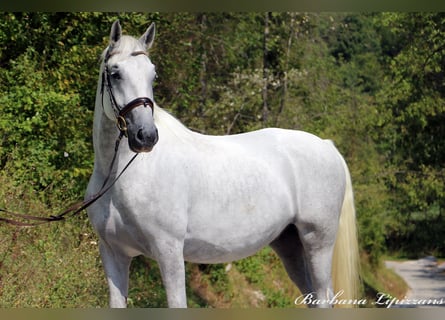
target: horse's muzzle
142 139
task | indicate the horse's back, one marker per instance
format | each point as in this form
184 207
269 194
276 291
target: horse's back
300 156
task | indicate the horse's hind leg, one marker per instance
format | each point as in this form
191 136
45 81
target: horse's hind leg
116 266
289 248
318 246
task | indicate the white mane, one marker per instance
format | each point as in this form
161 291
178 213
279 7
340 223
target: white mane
164 120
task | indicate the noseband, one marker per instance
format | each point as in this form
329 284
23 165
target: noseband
120 118
121 112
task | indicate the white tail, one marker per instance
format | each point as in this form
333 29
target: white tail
346 262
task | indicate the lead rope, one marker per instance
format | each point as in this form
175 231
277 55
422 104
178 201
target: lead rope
74 209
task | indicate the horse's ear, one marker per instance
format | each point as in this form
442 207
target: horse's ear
148 37
116 32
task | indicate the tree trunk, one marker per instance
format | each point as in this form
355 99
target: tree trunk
265 112
202 18
286 67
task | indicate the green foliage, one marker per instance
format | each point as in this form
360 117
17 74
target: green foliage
216 275
373 83
413 101
43 129
258 281
265 272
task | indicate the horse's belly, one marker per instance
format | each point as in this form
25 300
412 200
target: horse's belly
218 240
201 251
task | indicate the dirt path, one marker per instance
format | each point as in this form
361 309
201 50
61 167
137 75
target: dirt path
426 280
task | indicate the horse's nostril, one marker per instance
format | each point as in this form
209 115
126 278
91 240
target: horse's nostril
140 135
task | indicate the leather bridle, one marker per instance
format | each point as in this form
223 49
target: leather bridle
120 112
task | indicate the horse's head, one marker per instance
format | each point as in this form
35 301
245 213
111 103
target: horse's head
127 87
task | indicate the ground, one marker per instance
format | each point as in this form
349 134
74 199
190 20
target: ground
426 280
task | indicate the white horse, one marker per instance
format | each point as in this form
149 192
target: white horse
212 199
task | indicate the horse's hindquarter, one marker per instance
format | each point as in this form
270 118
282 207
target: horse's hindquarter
246 191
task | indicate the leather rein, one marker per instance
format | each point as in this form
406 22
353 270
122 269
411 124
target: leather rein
26 220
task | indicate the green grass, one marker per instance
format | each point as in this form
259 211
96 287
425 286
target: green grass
257 281
50 266
379 279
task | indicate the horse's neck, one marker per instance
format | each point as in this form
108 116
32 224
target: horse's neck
171 129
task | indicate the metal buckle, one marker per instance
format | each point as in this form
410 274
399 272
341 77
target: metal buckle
122 125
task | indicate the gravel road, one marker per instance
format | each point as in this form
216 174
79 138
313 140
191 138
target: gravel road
426 280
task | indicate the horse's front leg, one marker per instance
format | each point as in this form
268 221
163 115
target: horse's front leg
116 266
171 263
